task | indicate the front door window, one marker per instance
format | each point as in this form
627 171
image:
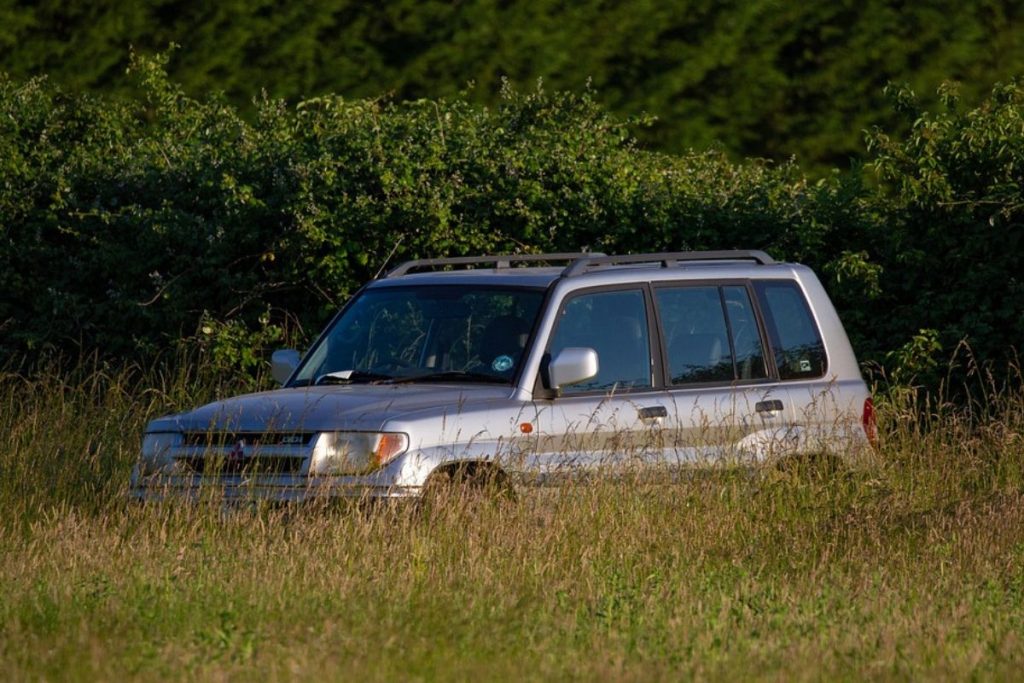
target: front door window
615 325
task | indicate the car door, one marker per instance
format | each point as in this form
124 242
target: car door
725 401
615 417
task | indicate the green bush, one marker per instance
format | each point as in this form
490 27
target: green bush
952 202
131 225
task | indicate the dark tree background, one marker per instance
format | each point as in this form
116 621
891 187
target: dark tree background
759 78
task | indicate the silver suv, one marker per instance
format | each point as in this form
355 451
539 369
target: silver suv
524 371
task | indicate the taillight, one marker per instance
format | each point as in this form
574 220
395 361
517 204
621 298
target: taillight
867 419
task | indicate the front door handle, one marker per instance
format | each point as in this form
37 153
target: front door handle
773 406
652 412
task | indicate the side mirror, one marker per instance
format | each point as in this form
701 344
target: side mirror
283 364
572 365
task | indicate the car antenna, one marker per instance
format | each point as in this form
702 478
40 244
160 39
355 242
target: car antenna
387 259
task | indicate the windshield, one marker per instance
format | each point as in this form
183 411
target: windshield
424 333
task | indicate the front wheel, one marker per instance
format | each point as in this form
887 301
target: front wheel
468 482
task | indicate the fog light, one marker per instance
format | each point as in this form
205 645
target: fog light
157 456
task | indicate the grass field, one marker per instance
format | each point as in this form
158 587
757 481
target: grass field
910 570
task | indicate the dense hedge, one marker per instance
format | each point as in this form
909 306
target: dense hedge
130 225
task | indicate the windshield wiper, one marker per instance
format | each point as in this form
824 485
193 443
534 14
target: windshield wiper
351 377
450 376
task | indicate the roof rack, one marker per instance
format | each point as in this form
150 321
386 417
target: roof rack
667 259
499 261
581 262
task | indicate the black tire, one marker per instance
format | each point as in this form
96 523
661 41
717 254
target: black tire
468 482
819 466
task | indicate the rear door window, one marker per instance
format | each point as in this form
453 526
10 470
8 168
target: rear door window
710 334
795 339
746 335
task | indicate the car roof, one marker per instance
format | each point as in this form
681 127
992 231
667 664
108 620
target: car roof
543 276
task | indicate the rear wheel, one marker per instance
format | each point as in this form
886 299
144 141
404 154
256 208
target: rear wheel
818 466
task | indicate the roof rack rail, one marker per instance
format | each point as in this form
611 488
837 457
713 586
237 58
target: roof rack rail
667 259
499 261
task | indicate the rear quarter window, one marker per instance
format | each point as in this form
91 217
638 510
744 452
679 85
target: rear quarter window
795 338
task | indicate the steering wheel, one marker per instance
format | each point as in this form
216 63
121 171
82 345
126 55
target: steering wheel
393 365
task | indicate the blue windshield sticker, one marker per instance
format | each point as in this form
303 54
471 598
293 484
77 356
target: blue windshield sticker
502 363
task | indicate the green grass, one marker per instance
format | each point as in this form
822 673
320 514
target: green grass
912 569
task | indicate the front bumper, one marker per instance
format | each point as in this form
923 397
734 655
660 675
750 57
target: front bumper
279 489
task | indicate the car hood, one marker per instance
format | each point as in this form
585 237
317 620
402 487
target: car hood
311 409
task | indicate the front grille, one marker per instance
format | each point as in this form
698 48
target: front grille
220 453
256 464
228 439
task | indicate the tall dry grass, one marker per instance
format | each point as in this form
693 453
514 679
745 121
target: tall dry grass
910 569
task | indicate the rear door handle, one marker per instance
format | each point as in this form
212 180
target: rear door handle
651 412
772 406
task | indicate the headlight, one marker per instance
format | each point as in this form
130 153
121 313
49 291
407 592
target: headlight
156 452
356 452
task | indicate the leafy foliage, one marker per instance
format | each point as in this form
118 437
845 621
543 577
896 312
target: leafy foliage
128 225
953 197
